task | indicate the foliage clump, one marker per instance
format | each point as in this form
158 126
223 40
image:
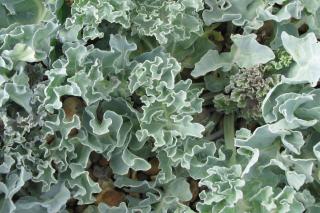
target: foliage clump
246 92
134 105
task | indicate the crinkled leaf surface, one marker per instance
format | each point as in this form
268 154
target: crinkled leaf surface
153 106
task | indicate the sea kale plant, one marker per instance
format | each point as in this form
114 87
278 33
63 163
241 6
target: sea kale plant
159 106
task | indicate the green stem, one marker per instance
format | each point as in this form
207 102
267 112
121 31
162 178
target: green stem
208 30
199 85
147 42
215 135
229 133
173 48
